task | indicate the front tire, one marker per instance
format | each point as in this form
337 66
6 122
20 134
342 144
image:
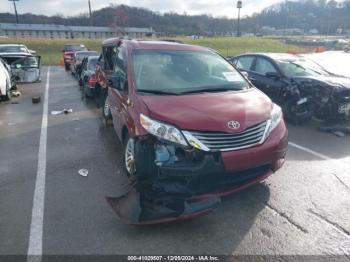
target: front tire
7 96
129 158
296 114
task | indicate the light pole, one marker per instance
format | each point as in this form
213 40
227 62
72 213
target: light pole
90 14
14 5
287 18
239 6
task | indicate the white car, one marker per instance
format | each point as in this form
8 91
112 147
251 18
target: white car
5 82
15 49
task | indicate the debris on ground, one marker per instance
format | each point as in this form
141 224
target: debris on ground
338 130
15 93
83 172
36 99
64 111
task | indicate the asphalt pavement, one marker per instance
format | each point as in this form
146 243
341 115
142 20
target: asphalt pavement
303 209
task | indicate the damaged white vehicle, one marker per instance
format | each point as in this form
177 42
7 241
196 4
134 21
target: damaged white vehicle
25 68
5 82
25 65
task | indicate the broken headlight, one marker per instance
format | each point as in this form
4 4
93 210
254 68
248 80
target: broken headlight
163 131
276 117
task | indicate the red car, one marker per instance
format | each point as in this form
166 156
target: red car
68 53
193 129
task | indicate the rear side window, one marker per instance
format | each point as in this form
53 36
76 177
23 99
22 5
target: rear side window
92 64
244 63
109 53
264 66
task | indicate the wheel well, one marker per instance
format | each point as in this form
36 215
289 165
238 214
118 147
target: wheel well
124 133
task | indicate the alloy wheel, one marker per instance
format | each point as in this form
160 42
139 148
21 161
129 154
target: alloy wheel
106 109
130 156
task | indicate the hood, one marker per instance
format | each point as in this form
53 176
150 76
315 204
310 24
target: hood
211 111
333 81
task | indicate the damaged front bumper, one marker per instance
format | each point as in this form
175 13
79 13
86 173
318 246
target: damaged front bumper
178 183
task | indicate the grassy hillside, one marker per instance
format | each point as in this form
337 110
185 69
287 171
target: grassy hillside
50 50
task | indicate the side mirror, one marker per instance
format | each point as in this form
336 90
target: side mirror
273 75
33 52
245 74
62 50
113 81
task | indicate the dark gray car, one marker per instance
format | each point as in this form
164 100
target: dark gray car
300 86
88 76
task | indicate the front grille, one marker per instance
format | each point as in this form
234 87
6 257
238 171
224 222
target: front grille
216 141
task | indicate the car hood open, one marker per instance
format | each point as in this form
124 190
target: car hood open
211 111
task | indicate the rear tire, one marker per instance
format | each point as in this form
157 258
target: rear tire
85 95
66 66
99 96
106 113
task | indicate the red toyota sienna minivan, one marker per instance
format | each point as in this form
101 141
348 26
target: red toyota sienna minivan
192 126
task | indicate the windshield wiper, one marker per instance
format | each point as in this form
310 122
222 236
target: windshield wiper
210 90
156 92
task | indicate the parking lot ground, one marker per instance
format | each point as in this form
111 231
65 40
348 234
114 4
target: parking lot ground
303 209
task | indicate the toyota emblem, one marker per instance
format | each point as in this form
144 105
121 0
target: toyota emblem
233 125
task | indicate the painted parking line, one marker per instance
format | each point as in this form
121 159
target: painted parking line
35 245
310 151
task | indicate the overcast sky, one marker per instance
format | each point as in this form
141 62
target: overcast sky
73 7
